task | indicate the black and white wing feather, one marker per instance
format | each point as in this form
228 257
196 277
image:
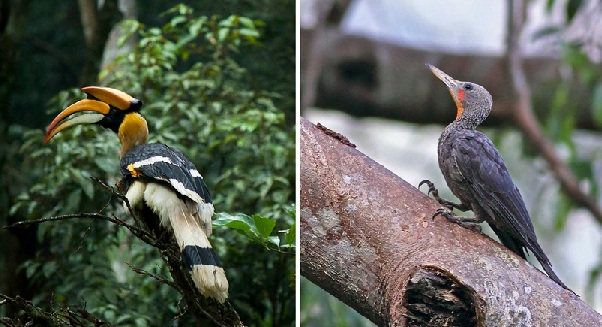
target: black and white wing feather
163 163
166 181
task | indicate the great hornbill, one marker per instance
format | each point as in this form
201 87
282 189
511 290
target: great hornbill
160 181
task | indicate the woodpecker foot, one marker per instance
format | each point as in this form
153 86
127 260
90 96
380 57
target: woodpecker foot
448 204
466 222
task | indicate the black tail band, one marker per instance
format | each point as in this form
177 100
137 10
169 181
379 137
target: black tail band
193 255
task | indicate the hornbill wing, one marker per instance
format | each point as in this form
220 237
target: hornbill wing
492 187
161 162
166 181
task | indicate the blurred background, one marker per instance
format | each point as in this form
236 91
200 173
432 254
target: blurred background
363 75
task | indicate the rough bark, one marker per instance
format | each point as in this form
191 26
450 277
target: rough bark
367 237
367 77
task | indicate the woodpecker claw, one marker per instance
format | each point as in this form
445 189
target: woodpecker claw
466 222
445 212
446 203
431 189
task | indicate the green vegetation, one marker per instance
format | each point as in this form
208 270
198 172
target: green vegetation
196 99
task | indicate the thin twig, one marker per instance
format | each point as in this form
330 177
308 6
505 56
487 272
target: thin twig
523 112
83 238
182 311
157 277
140 233
115 191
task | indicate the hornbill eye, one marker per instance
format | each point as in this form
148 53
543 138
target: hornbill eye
135 104
468 86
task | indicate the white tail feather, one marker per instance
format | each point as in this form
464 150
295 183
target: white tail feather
191 224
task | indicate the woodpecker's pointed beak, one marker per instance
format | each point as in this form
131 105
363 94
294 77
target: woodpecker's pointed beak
101 100
452 85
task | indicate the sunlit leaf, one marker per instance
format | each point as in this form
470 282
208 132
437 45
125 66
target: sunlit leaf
291 235
264 225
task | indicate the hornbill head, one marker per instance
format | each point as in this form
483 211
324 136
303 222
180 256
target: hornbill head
115 110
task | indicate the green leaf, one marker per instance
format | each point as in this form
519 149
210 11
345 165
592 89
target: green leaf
141 322
545 31
274 240
291 235
49 268
264 225
597 105
549 4
239 222
222 34
572 7
257 227
177 21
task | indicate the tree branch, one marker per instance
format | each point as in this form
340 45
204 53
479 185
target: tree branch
523 111
368 239
208 311
329 14
39 317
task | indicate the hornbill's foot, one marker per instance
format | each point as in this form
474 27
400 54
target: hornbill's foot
448 204
466 222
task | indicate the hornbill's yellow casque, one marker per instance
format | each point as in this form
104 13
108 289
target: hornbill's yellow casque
157 177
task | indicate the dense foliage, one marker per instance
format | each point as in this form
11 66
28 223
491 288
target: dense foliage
196 99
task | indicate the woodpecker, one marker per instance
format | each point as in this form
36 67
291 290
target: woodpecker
475 172
160 181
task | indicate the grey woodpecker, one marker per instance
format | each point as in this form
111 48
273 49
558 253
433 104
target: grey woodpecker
161 181
475 172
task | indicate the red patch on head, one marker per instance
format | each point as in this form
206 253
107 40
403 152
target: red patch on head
461 95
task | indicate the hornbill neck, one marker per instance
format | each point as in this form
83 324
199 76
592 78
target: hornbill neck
132 132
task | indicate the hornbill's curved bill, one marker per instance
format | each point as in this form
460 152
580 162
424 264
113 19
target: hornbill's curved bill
161 181
115 109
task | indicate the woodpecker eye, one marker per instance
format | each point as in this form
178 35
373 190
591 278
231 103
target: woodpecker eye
468 86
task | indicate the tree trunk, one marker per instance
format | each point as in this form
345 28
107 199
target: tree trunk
97 24
367 237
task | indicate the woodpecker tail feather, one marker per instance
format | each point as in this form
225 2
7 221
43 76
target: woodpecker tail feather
191 224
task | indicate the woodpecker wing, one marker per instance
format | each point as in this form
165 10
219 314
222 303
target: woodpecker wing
492 187
485 173
165 164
